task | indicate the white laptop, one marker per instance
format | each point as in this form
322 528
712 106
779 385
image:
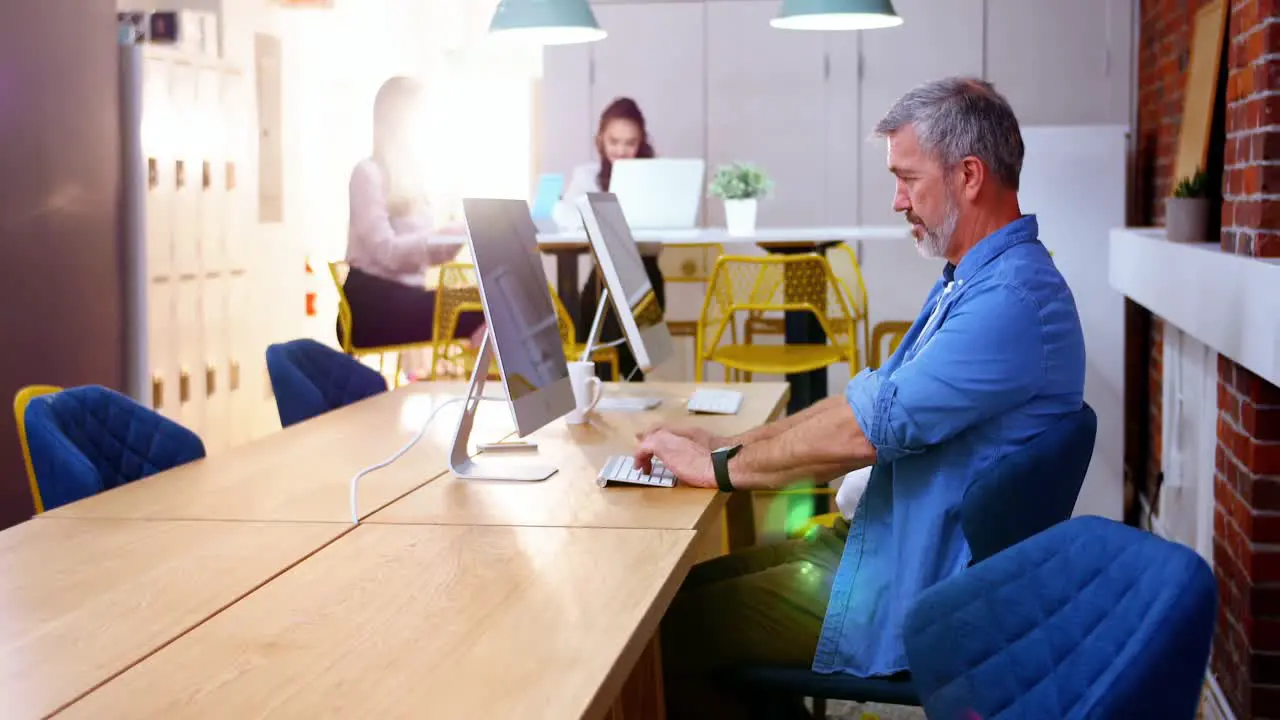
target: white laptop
659 193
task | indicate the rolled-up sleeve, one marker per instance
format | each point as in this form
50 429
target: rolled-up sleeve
987 357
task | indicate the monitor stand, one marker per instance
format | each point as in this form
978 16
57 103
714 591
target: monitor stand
460 461
627 404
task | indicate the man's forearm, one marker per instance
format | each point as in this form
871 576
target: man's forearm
771 430
820 445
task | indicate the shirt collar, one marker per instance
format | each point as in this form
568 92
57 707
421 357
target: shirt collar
1024 229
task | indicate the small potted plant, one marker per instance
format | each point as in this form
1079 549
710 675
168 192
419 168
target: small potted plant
1186 214
740 186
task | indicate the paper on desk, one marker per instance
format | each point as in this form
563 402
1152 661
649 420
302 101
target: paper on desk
850 491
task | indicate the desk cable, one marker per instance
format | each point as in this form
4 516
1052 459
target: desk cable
355 481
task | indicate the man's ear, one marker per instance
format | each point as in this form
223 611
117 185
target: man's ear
973 175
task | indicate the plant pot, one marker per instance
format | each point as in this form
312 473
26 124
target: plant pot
740 217
1186 220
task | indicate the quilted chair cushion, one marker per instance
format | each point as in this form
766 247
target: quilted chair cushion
89 439
1090 619
1030 490
310 379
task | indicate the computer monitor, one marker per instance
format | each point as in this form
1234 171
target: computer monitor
523 333
550 188
659 193
626 283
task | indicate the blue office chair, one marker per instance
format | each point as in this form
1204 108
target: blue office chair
1020 495
310 379
85 440
1090 618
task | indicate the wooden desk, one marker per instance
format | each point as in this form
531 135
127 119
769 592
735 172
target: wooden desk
422 621
571 497
303 472
82 600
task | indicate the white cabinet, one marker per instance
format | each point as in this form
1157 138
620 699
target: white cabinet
766 104
935 40
654 55
1062 63
202 337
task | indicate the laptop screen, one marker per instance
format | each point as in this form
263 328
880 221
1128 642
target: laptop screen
550 186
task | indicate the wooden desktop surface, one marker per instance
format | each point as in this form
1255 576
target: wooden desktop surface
396 621
303 473
571 497
82 600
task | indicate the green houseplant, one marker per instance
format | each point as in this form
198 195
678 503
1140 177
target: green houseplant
1186 213
740 186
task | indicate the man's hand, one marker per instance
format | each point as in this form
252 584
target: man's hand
688 460
702 437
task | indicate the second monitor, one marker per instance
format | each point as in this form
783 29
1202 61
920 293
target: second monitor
626 283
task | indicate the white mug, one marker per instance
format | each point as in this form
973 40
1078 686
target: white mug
587 390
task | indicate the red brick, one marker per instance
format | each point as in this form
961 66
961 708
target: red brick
1264 493
1260 423
1264 601
1267 245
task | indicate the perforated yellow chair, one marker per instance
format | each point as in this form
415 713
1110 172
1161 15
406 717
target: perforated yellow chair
338 272
688 265
777 283
894 331
844 263
20 401
456 293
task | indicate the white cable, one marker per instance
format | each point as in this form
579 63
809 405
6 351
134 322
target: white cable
355 481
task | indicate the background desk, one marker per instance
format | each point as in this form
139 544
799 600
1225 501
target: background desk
82 600
303 473
422 621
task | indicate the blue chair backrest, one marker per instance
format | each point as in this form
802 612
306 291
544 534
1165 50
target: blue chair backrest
85 440
310 379
1089 619
1028 491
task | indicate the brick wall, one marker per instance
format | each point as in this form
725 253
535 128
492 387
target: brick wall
1246 655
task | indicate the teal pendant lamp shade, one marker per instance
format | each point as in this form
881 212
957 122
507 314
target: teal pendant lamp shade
546 22
836 15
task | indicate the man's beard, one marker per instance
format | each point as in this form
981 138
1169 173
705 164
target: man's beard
937 240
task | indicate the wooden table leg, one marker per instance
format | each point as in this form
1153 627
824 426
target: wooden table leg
642 695
740 517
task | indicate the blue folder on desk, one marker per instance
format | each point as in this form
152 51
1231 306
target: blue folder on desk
550 186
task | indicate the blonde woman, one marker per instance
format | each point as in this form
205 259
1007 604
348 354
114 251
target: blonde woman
388 248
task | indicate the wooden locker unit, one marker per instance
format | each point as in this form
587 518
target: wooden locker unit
200 334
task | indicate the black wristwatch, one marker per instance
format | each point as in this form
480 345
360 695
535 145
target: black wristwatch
720 465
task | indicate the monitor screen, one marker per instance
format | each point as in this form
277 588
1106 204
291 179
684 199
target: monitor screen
550 186
640 314
518 308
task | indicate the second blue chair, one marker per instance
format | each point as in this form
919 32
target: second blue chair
85 440
310 379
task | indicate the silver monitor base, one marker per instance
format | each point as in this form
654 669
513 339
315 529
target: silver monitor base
461 462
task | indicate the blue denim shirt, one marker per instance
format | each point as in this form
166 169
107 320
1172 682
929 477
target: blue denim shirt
995 357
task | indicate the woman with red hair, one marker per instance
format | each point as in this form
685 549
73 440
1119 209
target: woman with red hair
622 135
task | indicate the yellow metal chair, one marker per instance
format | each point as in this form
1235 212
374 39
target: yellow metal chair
688 264
338 272
844 263
573 349
24 396
456 293
777 283
895 331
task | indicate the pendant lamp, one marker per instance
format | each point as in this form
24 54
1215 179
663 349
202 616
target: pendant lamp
836 15
546 22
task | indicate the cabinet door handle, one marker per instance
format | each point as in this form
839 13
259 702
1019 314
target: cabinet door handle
180 174
210 379
235 375
157 391
153 174
184 386
206 175
230 176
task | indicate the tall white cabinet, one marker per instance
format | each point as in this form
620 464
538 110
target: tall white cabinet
716 81
202 340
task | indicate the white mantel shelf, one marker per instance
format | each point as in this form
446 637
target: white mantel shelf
1226 301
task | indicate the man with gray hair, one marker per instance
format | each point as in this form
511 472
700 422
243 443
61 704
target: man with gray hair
995 357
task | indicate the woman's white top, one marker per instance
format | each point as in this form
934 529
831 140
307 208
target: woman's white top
392 248
582 181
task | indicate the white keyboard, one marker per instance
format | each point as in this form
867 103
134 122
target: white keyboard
628 404
715 402
621 469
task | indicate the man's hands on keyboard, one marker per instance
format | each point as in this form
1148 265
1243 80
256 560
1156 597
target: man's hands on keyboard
688 459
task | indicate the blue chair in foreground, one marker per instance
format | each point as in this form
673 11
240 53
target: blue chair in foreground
85 440
1019 495
310 379
1090 619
